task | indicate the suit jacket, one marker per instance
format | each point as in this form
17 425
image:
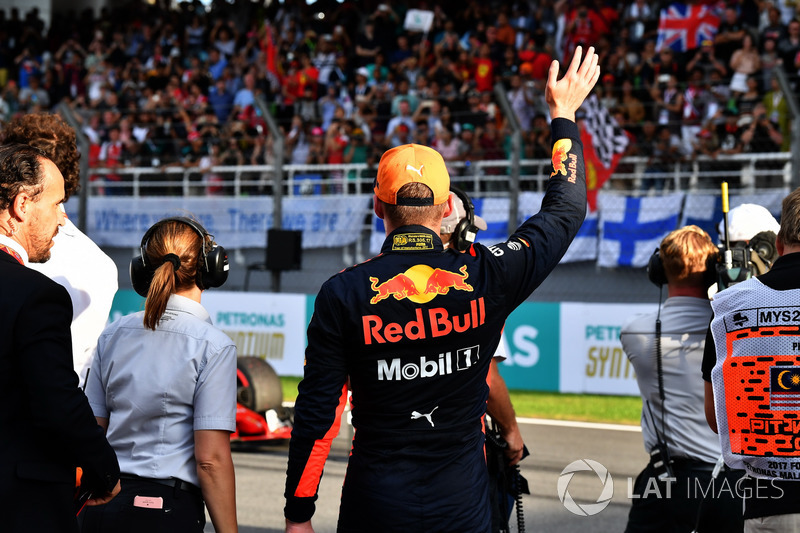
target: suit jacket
46 425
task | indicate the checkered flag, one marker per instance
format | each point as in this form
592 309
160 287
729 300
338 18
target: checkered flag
608 138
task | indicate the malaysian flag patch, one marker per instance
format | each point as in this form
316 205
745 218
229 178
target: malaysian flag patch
784 388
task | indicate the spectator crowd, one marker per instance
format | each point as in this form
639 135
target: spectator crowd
159 87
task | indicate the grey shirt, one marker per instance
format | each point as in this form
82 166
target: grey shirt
158 387
684 322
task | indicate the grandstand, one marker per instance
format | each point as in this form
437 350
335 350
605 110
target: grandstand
268 114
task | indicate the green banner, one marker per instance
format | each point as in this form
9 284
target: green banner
532 347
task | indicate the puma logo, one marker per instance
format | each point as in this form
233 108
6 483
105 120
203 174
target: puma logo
417 414
417 170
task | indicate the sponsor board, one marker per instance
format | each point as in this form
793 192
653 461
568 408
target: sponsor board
530 345
592 359
548 346
266 325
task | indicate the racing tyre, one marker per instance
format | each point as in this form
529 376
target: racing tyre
258 387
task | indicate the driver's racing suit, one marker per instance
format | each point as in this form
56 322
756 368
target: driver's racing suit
414 330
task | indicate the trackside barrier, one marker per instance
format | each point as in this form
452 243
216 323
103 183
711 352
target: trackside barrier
566 347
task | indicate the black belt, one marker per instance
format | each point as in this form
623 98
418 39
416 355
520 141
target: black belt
171 482
694 464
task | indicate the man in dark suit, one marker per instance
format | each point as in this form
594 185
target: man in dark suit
47 428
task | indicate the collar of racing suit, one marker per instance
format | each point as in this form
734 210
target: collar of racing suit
412 239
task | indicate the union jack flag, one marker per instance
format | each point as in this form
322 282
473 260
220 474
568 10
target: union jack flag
684 27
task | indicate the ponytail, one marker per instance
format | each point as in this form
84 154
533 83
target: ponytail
161 288
175 248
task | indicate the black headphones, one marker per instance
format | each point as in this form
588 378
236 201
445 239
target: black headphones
657 274
211 272
465 231
655 269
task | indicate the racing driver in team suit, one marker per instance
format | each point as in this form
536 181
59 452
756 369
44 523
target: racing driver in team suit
415 329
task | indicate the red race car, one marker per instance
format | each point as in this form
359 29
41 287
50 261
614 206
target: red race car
260 414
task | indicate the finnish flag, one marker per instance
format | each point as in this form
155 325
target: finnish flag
632 227
583 247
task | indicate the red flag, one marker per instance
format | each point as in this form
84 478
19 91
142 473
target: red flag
604 144
271 51
596 173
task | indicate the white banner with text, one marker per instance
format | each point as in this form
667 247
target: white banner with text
329 221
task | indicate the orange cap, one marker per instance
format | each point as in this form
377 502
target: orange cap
411 163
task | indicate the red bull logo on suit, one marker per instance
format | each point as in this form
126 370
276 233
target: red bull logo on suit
407 285
560 150
399 286
561 154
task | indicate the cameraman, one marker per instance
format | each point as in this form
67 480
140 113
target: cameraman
666 350
751 235
745 221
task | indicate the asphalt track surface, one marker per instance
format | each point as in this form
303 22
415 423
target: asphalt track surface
261 468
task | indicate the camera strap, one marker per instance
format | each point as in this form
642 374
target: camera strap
661 451
662 437
661 441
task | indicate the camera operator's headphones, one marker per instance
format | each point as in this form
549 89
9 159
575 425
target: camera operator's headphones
657 274
212 268
465 231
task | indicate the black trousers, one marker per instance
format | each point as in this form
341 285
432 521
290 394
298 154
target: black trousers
656 508
182 511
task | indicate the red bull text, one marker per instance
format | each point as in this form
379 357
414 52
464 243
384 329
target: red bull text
435 322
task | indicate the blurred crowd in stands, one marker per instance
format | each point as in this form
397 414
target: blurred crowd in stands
159 87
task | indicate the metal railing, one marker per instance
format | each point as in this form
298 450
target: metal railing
747 172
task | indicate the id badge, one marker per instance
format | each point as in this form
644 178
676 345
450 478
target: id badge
148 502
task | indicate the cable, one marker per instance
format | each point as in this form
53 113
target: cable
510 478
660 367
714 473
518 499
660 457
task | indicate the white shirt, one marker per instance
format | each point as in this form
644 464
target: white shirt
684 322
17 247
158 387
90 277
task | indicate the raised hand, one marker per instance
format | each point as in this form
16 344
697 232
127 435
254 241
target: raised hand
566 95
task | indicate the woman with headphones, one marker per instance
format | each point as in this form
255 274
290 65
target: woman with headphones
163 385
